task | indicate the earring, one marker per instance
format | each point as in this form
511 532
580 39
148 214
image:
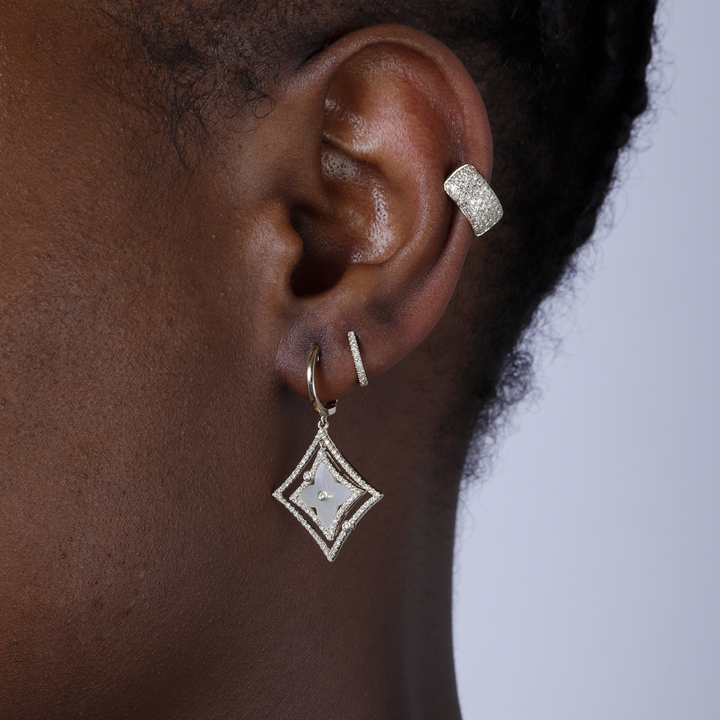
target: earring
323 501
475 198
355 351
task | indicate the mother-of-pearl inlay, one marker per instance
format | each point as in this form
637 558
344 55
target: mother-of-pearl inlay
325 495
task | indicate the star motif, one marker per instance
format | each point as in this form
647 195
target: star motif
325 495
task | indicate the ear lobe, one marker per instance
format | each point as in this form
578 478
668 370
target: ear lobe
383 246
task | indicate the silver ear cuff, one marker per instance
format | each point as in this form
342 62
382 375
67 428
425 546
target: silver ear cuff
475 198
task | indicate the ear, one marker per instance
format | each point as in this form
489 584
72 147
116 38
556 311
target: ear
358 147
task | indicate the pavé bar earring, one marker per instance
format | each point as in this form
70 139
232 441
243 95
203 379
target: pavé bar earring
357 359
475 198
329 486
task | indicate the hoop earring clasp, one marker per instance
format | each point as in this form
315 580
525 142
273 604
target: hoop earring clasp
323 410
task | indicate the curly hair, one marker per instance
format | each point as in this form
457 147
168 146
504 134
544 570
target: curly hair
576 80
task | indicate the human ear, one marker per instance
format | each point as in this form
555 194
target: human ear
357 149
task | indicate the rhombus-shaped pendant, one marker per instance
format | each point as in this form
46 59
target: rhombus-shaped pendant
325 502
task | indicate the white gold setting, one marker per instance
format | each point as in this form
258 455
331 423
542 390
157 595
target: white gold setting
330 487
359 367
475 198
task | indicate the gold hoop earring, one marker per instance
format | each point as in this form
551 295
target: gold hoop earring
330 487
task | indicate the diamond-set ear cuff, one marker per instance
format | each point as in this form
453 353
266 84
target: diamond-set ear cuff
475 198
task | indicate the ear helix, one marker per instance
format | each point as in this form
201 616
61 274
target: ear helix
475 198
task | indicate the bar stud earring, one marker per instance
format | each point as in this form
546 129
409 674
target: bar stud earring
475 198
355 351
329 486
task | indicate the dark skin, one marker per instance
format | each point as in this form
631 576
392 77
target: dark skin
154 328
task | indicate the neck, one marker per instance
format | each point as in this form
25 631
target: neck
370 634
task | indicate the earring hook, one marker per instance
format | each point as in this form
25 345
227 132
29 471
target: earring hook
323 410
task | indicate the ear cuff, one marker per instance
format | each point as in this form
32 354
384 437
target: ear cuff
475 198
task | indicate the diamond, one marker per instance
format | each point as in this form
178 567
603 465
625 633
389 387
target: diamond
326 497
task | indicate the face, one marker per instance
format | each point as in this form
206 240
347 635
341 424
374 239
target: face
152 333
131 431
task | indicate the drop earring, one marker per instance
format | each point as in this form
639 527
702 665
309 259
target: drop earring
330 487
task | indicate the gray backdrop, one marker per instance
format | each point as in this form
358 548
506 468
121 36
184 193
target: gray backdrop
588 574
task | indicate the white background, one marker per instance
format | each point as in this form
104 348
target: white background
588 572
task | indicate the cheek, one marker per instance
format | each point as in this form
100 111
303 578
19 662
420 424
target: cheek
122 439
